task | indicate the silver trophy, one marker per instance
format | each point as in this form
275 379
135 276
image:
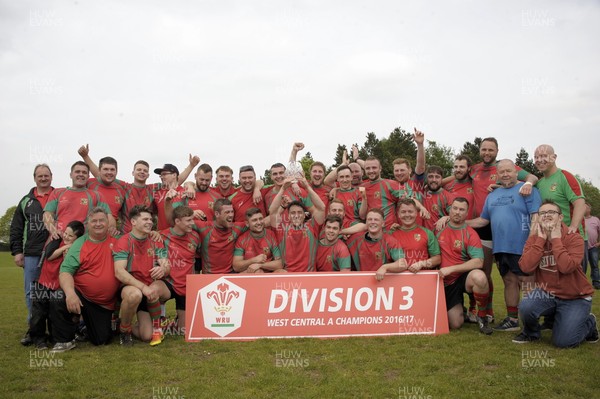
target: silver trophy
295 171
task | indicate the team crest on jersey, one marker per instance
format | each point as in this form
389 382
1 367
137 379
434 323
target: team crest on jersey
377 194
191 246
150 252
493 177
456 243
350 202
230 238
378 255
117 199
417 237
210 204
553 187
329 259
435 208
470 190
83 201
267 251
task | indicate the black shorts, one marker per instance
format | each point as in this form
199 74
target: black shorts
179 299
454 292
142 307
509 263
485 232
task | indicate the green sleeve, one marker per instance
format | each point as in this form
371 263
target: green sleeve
72 261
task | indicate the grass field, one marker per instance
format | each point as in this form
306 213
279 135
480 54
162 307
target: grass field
462 364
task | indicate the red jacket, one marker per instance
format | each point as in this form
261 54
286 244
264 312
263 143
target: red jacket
557 265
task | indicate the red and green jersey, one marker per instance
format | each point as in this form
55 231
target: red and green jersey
242 201
159 202
462 188
415 184
369 255
323 193
91 264
269 195
458 245
141 256
112 195
333 257
222 194
181 252
68 204
482 176
382 193
418 243
352 200
135 195
248 245
217 246
202 201
49 274
299 246
563 188
437 204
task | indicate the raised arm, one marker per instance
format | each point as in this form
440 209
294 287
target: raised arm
295 148
419 139
318 209
194 160
84 151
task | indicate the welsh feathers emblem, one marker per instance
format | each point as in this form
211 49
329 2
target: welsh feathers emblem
222 297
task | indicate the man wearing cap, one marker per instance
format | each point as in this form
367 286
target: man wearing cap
169 177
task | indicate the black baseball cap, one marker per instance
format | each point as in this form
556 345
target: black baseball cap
168 167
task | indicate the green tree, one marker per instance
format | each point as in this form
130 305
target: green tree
399 144
267 178
339 153
471 149
592 195
371 148
525 162
306 161
439 155
5 224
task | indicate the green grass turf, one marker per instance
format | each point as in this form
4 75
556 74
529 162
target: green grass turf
462 364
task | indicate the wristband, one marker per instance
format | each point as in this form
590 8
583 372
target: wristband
528 182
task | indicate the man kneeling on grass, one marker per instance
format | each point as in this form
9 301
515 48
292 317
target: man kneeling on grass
563 291
140 264
88 279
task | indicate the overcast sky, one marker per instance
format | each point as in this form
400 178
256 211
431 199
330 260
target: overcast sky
236 82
